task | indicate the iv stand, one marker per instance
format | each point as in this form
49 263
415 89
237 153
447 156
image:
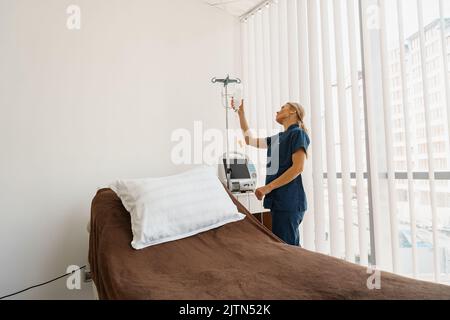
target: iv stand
226 82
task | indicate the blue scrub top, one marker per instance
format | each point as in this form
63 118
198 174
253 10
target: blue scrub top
291 197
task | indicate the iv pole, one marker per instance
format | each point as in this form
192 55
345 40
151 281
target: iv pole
226 82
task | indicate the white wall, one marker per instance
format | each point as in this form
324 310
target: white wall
81 108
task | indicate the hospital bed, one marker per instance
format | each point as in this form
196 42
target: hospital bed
239 261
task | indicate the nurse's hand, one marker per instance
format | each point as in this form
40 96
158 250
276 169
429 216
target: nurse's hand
239 109
262 192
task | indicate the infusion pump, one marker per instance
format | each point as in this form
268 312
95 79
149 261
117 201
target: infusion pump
241 173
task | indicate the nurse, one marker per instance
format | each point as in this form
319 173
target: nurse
287 152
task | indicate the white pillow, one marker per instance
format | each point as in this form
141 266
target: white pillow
175 207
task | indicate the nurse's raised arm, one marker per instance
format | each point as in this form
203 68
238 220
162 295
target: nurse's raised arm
250 140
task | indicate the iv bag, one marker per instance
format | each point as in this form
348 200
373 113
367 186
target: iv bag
234 94
237 97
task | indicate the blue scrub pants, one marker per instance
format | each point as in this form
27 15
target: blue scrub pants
285 225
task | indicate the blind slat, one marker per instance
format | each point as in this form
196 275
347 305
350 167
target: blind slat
445 53
260 103
371 129
406 116
252 101
302 18
389 140
284 66
357 132
294 85
316 129
431 170
275 56
344 132
335 240
267 74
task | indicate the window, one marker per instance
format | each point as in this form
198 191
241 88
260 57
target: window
439 147
438 131
443 199
421 133
423 148
420 117
286 51
441 164
400 137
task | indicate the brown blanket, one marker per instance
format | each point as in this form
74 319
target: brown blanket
242 260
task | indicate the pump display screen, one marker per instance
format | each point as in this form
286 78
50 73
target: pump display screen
239 169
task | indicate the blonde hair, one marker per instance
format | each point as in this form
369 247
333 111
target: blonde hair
300 112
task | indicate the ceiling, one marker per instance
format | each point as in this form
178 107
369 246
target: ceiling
234 7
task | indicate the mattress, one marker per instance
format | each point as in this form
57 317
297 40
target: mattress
239 261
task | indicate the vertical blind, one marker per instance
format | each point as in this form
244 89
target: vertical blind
340 60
